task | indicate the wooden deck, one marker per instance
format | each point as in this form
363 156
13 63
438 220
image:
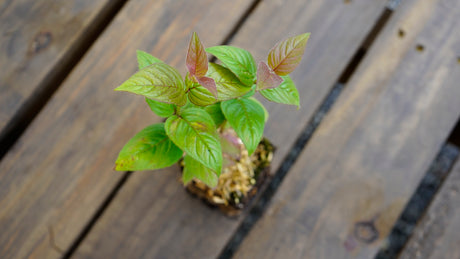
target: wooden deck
380 96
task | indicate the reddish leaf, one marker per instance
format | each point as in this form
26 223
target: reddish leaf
209 84
266 77
286 55
197 61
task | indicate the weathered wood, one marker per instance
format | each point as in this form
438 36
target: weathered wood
60 170
153 217
37 40
349 185
437 235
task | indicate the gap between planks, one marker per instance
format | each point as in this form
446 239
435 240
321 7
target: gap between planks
264 198
97 215
423 196
50 84
454 137
436 234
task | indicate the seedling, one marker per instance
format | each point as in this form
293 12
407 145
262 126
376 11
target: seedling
211 99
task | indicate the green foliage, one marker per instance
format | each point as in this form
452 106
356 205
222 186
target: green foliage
197 94
194 131
195 169
216 113
197 108
163 110
247 118
266 115
147 150
228 87
159 82
144 59
237 60
286 93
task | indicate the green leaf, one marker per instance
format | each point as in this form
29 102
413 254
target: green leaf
238 60
247 118
201 96
144 59
228 87
266 114
216 113
194 169
195 133
286 55
197 94
163 110
285 93
190 82
159 82
148 150
250 93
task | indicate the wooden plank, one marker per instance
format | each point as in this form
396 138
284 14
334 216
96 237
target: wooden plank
37 39
60 170
420 200
349 185
153 217
437 235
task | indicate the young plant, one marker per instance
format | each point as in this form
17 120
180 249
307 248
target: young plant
211 98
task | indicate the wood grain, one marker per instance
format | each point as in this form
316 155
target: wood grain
36 39
60 170
349 185
153 217
437 235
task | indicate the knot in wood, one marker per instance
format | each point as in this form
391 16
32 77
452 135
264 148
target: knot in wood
365 231
41 41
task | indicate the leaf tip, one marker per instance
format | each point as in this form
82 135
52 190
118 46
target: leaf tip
306 35
119 88
185 180
119 166
251 151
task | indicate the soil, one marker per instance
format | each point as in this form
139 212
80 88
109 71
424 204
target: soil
239 183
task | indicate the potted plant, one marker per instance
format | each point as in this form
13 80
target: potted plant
213 125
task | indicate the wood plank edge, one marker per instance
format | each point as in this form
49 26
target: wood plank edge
97 215
420 201
238 25
52 81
